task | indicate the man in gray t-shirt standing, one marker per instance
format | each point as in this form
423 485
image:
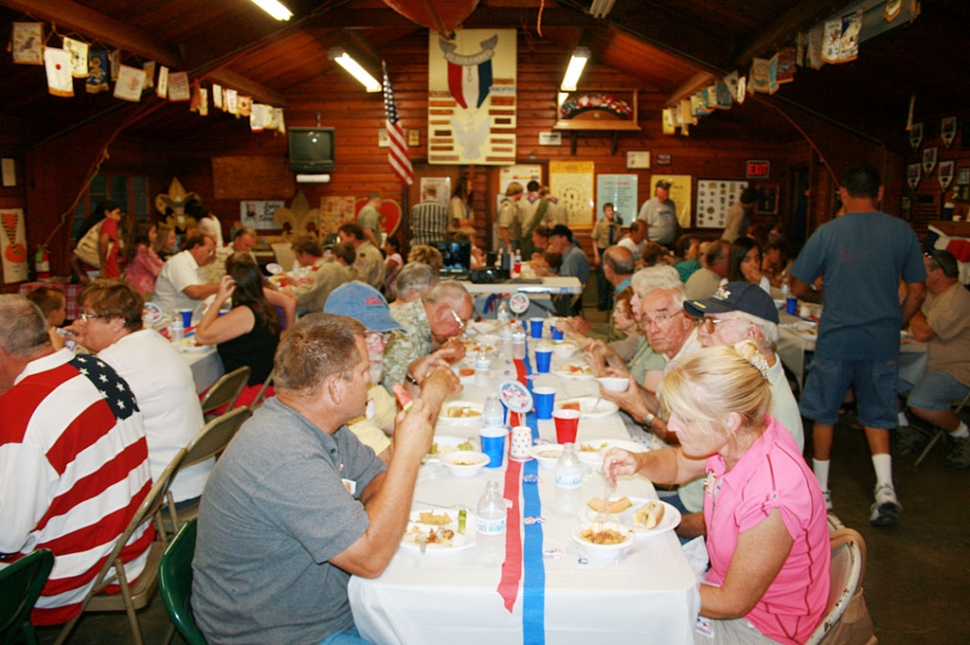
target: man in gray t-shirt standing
296 504
660 215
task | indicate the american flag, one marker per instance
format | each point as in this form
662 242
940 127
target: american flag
397 153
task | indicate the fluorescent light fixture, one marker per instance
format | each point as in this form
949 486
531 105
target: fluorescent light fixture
576 64
353 67
274 8
313 179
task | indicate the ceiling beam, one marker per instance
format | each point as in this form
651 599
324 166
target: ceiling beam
804 14
481 18
70 16
698 81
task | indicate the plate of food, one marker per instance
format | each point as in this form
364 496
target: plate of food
444 444
483 344
461 413
591 407
190 345
591 452
645 516
576 371
604 541
439 531
547 454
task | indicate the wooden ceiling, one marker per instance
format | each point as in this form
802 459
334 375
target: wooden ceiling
657 45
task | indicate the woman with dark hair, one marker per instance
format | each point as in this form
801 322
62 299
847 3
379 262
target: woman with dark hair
460 208
392 264
744 264
249 333
144 264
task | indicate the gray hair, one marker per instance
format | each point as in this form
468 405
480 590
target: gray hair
417 276
23 328
769 330
316 347
619 259
661 276
451 292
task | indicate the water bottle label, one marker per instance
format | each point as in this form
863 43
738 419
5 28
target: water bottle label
569 480
490 527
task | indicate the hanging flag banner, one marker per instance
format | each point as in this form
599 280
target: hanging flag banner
58 65
98 72
471 97
114 59
946 174
398 157
232 102
913 175
929 160
79 57
161 90
916 135
948 130
149 67
893 7
130 83
217 96
13 241
178 86
244 105
764 75
816 38
28 43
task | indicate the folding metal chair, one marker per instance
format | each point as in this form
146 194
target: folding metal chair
226 390
846 602
175 584
20 586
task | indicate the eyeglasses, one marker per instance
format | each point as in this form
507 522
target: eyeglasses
458 320
710 324
660 320
85 317
375 339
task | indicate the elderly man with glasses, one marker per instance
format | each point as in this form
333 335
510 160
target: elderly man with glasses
430 323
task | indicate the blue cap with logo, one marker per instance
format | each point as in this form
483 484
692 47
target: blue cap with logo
363 303
736 296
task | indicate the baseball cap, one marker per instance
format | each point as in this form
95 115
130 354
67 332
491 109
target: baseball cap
736 296
561 229
663 183
364 303
946 261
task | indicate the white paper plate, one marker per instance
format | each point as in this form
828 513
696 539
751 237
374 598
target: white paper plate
459 541
443 444
547 454
273 268
596 448
151 313
670 521
468 407
575 371
591 407
188 346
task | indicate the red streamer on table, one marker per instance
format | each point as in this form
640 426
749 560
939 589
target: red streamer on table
508 586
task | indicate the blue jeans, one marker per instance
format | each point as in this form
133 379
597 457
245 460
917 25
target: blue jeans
347 637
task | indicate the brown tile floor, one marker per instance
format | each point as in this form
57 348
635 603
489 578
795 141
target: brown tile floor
918 577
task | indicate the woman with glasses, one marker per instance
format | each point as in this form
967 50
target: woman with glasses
767 529
250 331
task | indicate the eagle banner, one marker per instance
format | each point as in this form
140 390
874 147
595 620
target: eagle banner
471 97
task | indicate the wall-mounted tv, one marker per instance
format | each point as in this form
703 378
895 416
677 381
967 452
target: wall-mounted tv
311 150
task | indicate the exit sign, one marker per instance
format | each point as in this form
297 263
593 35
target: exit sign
759 169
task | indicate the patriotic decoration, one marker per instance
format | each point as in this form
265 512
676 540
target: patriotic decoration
469 77
397 152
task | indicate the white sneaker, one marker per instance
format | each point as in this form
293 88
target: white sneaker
827 494
886 509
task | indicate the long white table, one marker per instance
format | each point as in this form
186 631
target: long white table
206 367
549 286
647 597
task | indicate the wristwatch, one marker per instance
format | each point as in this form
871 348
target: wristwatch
651 417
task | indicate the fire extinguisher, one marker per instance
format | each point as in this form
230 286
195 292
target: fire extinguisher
42 265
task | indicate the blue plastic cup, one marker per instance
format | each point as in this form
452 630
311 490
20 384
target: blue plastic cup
791 305
535 327
557 333
493 444
544 398
543 359
186 317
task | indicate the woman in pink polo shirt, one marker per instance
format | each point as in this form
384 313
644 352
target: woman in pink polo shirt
767 532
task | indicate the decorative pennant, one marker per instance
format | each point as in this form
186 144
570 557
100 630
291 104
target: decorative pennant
28 43
913 175
58 65
849 37
948 129
816 41
217 96
203 101
929 160
130 83
764 75
916 135
13 240
114 58
742 90
79 57
276 120
667 119
196 99
892 9
723 95
161 90
909 115
178 86
786 65
232 102
149 67
98 73
831 41
945 174
731 81
801 47
244 105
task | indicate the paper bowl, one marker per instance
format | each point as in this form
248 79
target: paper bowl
564 349
602 552
547 454
614 383
464 463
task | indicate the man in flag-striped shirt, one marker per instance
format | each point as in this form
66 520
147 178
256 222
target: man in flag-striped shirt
73 461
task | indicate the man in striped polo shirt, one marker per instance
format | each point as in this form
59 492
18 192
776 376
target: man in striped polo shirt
73 461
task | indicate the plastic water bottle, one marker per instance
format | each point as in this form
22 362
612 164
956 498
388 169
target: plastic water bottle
178 329
490 527
569 480
503 314
493 414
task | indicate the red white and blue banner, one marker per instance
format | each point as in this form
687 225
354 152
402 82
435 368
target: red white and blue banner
397 152
472 101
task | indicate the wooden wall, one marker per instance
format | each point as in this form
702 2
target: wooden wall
717 148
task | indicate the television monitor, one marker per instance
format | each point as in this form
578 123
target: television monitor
457 256
311 150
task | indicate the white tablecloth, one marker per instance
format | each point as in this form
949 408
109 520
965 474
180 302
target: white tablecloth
551 285
647 597
206 368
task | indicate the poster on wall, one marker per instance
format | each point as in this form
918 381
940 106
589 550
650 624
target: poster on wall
259 215
714 198
621 191
13 242
681 193
471 97
572 183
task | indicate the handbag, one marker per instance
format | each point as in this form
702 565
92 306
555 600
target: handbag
88 249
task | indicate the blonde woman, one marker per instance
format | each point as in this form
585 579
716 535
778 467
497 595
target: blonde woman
767 533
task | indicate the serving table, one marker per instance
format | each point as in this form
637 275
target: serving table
648 596
539 290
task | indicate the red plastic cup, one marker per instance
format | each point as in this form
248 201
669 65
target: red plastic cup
567 422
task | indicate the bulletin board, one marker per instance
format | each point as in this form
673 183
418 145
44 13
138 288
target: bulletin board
714 198
572 183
